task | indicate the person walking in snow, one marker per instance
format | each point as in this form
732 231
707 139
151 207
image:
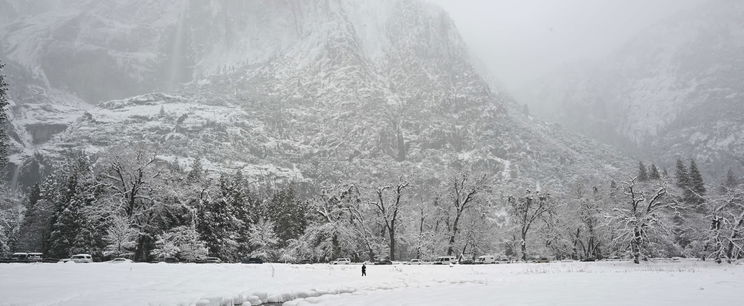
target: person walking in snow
364 269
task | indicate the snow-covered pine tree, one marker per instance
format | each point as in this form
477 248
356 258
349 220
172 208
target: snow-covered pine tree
642 172
263 239
217 223
288 213
11 218
697 187
245 209
683 178
72 229
196 173
35 222
654 173
683 230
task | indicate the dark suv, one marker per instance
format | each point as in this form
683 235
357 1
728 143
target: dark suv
252 260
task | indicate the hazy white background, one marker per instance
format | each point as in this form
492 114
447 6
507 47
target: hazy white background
521 40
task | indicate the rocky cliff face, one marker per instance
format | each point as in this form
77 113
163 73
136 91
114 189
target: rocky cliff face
673 91
306 90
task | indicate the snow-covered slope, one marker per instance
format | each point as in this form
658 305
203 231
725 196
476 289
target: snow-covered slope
317 90
675 90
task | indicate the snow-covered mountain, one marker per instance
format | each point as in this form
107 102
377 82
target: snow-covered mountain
305 90
673 91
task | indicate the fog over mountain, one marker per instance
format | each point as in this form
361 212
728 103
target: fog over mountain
521 41
286 88
672 91
386 133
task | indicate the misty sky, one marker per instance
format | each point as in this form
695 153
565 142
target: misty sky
521 40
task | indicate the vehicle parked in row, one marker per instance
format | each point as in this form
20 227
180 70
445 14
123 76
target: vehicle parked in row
209 260
588 259
540 260
466 261
414 262
341 261
35 257
19 257
486 259
383 261
252 260
120 260
78 258
445 260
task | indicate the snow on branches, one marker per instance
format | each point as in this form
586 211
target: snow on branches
643 217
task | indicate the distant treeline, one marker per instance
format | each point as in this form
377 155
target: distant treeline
126 202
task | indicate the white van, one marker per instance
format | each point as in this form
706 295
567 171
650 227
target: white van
80 258
35 257
486 259
445 260
341 261
19 257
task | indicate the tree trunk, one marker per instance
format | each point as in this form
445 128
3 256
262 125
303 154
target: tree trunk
421 234
635 246
392 243
450 248
524 251
730 247
524 246
576 243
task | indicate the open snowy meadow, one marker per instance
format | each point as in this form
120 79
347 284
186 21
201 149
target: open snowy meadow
560 283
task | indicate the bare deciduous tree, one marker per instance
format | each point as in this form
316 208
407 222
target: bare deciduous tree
389 209
643 216
463 194
129 174
727 223
526 210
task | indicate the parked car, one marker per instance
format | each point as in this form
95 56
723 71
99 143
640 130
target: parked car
78 258
82 258
341 261
35 257
120 260
588 259
541 260
414 262
252 260
383 262
211 260
445 260
466 262
486 259
19 257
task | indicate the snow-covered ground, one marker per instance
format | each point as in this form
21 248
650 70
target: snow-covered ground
564 283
